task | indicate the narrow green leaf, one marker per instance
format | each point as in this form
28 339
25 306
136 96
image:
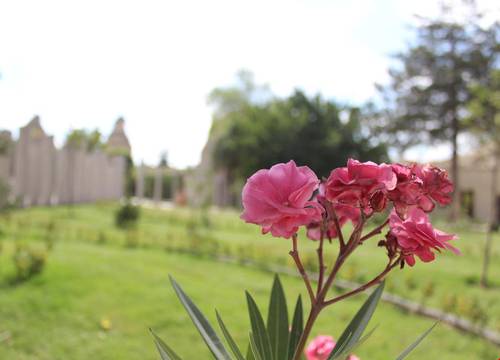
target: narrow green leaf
255 350
206 331
249 352
364 338
165 351
416 343
297 328
277 321
232 344
356 327
260 335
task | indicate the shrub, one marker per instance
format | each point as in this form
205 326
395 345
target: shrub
28 261
126 216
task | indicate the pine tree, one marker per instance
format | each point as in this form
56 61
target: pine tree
426 100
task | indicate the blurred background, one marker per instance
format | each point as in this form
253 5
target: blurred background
127 130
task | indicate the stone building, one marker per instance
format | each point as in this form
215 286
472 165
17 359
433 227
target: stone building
208 185
38 173
475 180
118 140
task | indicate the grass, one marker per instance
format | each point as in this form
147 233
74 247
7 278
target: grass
58 314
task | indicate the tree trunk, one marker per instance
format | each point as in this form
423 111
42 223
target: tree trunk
493 216
455 207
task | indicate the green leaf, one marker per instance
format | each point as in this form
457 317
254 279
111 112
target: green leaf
165 351
277 321
356 327
364 338
232 344
249 352
206 331
297 328
259 332
416 343
254 348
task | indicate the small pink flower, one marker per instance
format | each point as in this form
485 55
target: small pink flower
362 185
436 187
279 199
416 236
321 347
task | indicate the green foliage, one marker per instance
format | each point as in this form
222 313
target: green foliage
410 348
426 99
484 108
103 275
307 130
277 321
28 261
352 334
127 215
4 194
5 142
275 341
165 351
84 139
232 344
297 328
206 331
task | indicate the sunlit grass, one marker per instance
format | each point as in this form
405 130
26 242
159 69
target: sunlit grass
91 275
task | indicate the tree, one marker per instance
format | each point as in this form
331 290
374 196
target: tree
163 160
484 108
426 99
83 139
307 130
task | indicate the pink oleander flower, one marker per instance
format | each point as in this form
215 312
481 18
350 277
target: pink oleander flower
408 189
362 185
279 199
416 236
321 347
436 187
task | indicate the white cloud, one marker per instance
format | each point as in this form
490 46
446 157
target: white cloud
83 64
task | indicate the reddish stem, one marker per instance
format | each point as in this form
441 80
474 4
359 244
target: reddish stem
331 214
294 253
369 284
375 231
321 263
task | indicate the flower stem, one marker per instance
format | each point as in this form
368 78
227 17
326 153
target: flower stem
375 231
313 314
330 212
294 253
321 264
369 284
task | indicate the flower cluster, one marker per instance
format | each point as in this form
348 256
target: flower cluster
286 197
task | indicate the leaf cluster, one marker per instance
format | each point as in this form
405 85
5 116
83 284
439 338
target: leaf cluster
276 339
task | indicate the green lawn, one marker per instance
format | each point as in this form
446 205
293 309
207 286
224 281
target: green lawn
92 275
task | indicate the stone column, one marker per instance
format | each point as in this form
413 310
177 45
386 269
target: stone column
158 184
139 182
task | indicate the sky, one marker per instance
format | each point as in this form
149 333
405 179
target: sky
83 64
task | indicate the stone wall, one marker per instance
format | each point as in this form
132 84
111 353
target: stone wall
41 174
475 177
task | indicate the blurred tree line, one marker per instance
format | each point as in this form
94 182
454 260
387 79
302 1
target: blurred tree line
253 130
427 100
445 84
441 87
